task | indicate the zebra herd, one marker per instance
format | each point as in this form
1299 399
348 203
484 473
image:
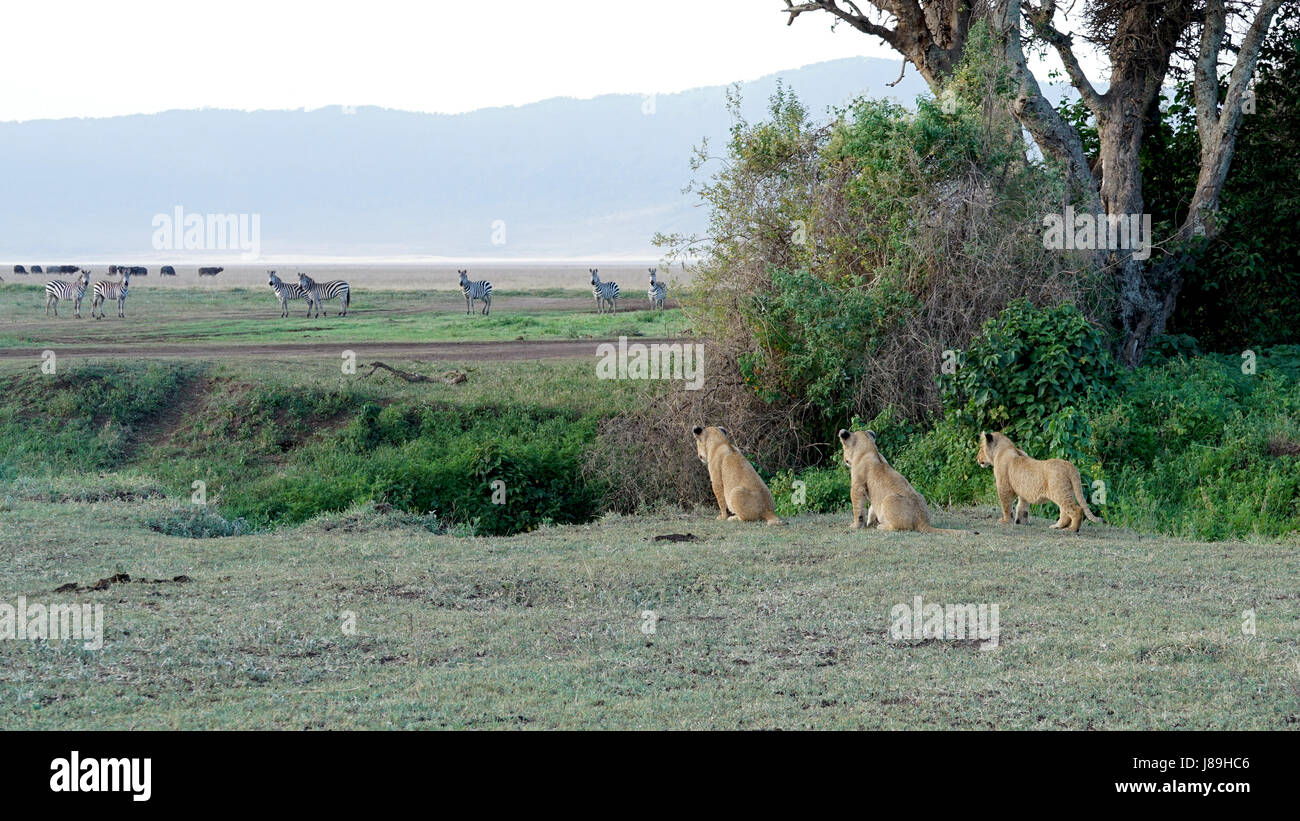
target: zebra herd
75 290
310 291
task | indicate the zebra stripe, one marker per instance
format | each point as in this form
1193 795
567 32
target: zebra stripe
604 292
658 292
476 289
62 289
111 290
318 292
286 291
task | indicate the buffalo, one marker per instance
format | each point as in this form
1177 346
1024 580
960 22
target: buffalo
210 272
36 269
18 269
167 271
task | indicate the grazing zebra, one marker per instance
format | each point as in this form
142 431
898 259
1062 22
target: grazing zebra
105 291
658 292
287 291
318 292
480 289
57 289
604 292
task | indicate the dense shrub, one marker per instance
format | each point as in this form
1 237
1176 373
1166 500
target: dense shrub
842 260
1028 374
423 458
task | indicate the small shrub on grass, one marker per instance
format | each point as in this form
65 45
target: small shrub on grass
196 523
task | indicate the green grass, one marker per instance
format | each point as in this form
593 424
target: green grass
241 316
276 445
758 627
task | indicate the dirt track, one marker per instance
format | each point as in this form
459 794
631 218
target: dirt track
444 351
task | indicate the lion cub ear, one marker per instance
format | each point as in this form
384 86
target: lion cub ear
697 430
988 437
872 434
844 435
724 431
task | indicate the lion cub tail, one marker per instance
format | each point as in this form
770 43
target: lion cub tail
1078 494
773 519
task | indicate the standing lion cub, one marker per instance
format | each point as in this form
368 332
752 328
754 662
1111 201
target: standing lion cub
740 492
1017 474
893 503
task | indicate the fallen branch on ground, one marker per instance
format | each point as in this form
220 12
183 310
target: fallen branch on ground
449 377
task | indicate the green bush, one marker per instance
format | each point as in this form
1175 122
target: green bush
423 457
1028 373
826 490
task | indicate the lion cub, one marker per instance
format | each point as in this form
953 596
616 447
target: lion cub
736 485
1018 474
893 503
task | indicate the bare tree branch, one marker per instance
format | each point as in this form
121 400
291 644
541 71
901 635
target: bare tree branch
1040 17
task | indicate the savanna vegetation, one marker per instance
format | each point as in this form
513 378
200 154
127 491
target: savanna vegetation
277 443
887 269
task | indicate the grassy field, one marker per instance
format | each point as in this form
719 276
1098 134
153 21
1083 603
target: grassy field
247 316
356 594
756 627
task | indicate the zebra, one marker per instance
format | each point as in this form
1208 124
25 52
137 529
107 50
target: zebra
57 289
287 291
317 292
658 292
603 292
480 289
105 291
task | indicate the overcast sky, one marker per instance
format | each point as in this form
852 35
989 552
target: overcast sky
97 59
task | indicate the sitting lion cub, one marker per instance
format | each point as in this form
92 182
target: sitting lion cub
1018 474
739 490
894 503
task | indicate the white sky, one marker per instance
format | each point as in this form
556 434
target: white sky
95 59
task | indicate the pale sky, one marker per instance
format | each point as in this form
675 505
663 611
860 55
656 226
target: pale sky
94 59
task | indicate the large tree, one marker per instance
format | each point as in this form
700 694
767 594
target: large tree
1217 41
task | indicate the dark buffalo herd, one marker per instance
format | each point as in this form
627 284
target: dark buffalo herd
113 270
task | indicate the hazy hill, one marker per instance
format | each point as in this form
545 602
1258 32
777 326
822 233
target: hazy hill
569 177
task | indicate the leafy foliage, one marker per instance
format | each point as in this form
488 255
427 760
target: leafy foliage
1028 373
